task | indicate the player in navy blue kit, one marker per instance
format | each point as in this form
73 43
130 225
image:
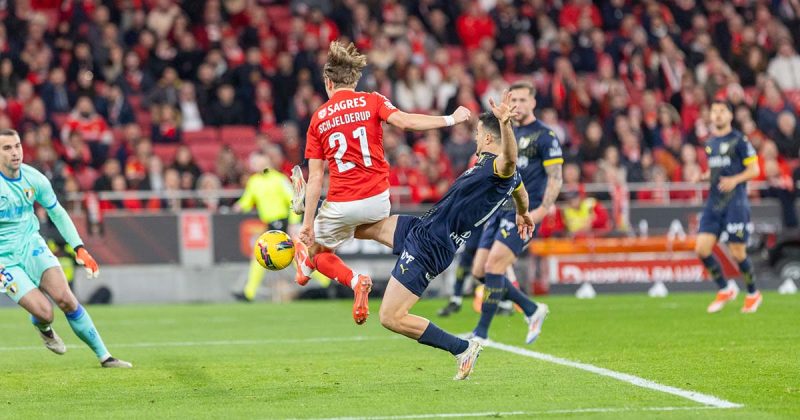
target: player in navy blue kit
539 164
732 162
427 244
463 269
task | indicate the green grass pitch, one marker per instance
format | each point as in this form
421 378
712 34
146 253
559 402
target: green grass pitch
309 359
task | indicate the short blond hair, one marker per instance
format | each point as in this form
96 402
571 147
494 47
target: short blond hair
344 64
523 84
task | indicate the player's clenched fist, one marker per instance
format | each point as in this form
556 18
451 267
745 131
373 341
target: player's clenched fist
461 114
85 259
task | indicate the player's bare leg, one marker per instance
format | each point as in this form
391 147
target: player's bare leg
394 315
54 284
753 299
382 231
704 247
41 310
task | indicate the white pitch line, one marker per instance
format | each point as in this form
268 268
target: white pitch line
708 400
221 342
522 413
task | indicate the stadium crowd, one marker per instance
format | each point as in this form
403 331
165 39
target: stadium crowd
165 95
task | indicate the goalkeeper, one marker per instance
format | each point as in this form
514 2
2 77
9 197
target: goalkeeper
29 272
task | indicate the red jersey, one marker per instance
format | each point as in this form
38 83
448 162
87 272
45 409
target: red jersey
347 132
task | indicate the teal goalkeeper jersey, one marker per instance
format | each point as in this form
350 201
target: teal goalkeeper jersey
18 222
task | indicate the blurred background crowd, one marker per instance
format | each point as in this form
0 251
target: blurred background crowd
165 95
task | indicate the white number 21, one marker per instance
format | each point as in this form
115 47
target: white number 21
361 134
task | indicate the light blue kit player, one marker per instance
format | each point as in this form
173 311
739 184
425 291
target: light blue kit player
29 272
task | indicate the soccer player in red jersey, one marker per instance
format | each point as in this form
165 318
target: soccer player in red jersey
346 132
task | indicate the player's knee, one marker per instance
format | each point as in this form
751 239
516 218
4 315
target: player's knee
495 265
739 254
390 319
44 314
66 302
702 250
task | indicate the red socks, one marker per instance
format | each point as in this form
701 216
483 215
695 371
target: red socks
332 266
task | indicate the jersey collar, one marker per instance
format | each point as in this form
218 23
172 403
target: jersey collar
17 179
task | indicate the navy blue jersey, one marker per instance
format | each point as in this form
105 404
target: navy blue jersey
538 147
472 199
727 156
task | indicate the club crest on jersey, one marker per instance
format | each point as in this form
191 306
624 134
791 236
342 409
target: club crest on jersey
723 148
322 113
524 142
29 192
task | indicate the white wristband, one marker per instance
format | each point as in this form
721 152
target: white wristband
449 120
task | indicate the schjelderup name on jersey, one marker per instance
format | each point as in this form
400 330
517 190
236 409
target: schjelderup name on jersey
337 120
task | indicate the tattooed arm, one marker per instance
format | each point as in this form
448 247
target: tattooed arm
551 192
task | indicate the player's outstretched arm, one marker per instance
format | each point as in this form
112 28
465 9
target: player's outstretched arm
506 163
316 171
66 228
422 122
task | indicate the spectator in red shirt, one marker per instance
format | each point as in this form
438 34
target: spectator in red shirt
552 225
166 127
136 166
92 127
575 10
474 25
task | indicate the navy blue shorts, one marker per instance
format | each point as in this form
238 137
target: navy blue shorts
422 256
733 220
503 227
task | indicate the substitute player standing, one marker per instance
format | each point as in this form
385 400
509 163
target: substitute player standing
29 272
346 131
732 162
427 244
540 161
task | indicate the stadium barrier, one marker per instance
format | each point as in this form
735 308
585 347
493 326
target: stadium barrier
660 259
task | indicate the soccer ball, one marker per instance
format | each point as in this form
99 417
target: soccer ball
274 250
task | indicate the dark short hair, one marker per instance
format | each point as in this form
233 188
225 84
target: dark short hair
8 132
491 124
722 102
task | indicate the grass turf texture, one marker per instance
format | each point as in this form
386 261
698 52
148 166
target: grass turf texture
301 360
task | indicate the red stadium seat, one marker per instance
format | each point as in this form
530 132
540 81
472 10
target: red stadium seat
278 13
206 135
145 120
205 154
275 134
237 134
243 149
166 152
